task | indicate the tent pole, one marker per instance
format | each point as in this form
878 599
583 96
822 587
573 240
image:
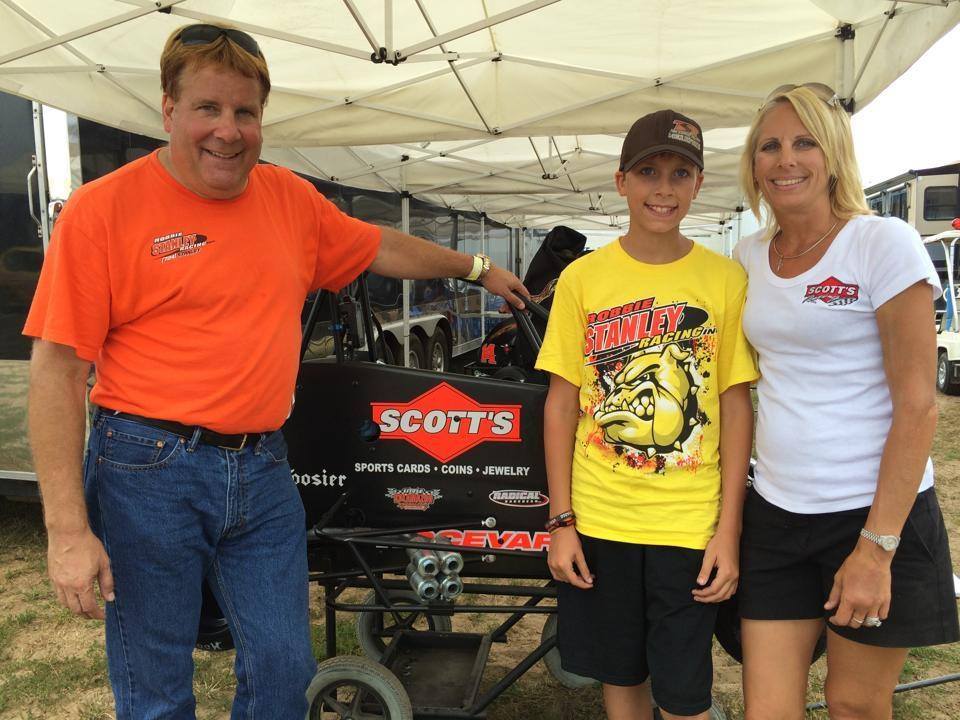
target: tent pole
407 285
88 30
483 290
473 27
364 28
388 29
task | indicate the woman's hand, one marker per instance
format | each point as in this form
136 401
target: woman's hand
565 559
722 553
861 587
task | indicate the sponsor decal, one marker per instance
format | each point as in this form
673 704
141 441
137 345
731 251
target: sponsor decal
832 292
176 245
639 325
445 423
488 354
685 132
519 498
413 498
321 479
496 539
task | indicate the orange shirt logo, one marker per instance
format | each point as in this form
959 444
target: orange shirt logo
176 245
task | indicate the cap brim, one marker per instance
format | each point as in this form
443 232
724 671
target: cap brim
658 149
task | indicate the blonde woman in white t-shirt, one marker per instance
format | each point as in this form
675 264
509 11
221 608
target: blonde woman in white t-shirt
842 528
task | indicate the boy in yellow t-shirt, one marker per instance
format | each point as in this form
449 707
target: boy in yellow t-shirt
647 429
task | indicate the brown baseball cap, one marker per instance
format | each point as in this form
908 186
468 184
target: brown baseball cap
660 132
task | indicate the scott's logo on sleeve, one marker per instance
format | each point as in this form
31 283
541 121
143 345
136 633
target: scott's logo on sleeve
176 245
832 292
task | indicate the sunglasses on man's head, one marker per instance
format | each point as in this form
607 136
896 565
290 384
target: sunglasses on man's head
822 91
206 34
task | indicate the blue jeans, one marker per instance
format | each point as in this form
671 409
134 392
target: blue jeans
171 512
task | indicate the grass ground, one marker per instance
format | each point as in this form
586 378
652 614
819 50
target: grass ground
52 664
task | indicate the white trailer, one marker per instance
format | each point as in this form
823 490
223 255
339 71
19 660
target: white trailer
948 318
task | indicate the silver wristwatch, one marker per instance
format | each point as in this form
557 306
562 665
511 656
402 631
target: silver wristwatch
887 542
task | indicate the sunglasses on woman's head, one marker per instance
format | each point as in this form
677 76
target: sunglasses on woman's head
205 34
822 91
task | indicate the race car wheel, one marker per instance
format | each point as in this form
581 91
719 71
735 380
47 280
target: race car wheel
552 661
349 688
374 629
945 382
438 357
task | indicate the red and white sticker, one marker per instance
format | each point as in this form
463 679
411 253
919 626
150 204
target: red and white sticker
445 423
832 292
496 539
413 498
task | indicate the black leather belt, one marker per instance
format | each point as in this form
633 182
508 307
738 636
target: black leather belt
227 442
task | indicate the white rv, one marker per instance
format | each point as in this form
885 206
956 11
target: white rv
928 199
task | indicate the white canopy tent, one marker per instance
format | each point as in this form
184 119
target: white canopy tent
514 108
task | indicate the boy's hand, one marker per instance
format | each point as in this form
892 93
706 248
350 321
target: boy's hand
722 553
565 559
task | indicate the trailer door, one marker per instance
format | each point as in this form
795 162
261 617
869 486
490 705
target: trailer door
21 255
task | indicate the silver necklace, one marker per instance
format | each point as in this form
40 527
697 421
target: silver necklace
781 257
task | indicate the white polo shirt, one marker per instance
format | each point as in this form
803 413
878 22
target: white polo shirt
825 407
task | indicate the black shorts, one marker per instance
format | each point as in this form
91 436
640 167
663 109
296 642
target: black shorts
640 620
788 560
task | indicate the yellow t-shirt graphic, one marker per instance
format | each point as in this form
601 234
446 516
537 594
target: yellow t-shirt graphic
651 348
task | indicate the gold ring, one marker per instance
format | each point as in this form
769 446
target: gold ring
858 621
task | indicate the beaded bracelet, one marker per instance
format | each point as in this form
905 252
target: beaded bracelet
564 519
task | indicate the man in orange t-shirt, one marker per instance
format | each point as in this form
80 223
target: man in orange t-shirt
181 277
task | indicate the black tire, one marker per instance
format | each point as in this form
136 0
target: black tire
418 355
371 626
512 373
348 687
727 632
438 355
213 633
945 383
552 661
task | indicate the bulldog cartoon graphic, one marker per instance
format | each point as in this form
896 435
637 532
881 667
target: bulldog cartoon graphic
653 404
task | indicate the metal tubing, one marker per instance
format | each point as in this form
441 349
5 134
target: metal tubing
501 632
450 586
533 554
540 591
367 310
511 677
821 705
376 582
308 327
330 621
425 588
451 563
483 609
424 562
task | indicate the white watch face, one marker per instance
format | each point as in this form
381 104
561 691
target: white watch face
889 542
